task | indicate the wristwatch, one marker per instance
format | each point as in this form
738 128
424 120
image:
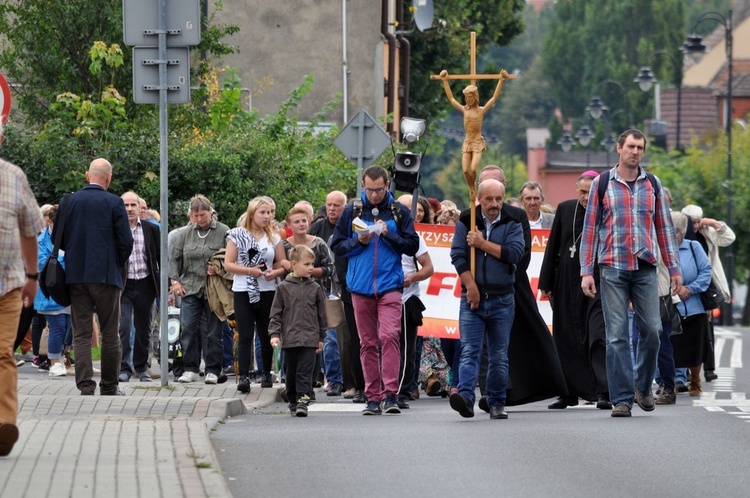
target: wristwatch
32 276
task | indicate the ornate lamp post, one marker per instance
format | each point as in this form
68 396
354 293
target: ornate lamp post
694 45
646 78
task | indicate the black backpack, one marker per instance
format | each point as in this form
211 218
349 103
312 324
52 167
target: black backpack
604 183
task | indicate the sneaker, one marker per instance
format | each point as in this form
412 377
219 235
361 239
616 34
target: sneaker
667 397
28 356
144 376
19 362
335 389
645 400
390 405
44 365
681 387
230 370
621 410
359 397
403 402
265 381
293 409
35 362
243 385
124 377
189 377
302 403
372 408
58 370
211 378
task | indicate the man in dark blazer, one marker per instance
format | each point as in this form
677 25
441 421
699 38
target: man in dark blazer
97 242
141 289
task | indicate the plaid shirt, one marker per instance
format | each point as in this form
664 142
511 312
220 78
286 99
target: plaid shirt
626 226
19 217
137 268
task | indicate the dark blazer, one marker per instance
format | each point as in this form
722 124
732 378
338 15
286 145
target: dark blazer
96 239
152 241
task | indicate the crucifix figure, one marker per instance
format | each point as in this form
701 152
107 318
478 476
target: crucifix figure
474 144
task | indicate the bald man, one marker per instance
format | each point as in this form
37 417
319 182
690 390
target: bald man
97 242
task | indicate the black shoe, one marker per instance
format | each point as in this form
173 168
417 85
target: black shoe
681 387
265 381
483 405
359 397
8 437
372 408
293 409
116 392
403 402
603 403
645 400
311 395
335 389
462 405
284 397
243 385
498 412
563 403
302 404
390 405
710 375
45 365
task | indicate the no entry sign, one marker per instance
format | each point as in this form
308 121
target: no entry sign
4 99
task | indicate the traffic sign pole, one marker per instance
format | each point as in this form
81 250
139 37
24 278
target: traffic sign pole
163 193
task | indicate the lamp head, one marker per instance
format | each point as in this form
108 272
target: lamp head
566 142
609 143
645 79
694 47
585 135
596 108
412 129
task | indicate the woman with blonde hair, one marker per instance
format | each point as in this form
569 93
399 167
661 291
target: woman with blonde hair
254 255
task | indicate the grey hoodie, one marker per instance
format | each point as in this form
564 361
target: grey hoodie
298 313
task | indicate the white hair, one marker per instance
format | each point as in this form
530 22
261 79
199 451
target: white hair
695 212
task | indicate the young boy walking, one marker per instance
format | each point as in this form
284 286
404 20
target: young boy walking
298 323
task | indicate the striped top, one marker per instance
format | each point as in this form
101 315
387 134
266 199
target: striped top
628 225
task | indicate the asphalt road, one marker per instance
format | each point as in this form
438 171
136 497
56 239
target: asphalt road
698 447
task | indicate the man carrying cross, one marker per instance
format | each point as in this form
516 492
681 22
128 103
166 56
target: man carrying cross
474 144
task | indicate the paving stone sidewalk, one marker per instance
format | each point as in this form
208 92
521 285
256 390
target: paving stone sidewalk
154 441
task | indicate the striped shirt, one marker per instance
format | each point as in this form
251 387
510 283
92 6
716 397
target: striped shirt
19 215
137 267
628 225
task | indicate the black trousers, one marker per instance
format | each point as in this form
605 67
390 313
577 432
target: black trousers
136 303
299 364
252 317
354 345
411 319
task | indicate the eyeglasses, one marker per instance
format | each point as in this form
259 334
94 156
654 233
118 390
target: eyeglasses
375 190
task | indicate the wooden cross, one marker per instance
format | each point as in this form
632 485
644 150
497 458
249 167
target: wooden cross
473 77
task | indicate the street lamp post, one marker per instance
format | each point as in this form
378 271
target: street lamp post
694 45
646 78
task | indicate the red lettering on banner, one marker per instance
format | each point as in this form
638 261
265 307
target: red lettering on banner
440 281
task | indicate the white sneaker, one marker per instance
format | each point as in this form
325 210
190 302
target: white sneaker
189 377
211 378
58 370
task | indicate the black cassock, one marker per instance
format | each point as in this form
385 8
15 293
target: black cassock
577 321
534 371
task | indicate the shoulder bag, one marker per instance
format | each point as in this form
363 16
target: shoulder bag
52 277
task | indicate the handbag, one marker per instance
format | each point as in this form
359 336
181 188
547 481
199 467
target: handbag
334 312
52 277
712 297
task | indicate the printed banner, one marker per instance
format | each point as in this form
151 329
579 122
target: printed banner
441 293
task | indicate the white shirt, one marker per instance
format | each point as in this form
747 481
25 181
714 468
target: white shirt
407 264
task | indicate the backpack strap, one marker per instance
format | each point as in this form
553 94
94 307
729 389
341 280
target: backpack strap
604 183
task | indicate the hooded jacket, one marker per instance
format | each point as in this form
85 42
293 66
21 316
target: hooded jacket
298 313
492 275
375 268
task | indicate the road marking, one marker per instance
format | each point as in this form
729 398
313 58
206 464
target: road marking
738 405
336 407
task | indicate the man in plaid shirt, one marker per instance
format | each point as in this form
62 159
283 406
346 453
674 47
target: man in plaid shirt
21 222
625 229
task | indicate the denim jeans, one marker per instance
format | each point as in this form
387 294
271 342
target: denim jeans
227 340
494 317
640 287
665 371
331 358
59 327
192 309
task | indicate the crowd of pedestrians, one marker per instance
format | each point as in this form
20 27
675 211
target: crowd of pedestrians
335 299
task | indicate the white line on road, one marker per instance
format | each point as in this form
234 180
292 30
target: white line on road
736 358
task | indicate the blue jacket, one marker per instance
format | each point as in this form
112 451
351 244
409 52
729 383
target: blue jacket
375 268
42 303
696 276
96 239
492 275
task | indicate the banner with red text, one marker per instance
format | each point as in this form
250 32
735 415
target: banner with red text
441 293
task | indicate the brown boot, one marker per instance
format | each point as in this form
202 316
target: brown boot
695 381
433 386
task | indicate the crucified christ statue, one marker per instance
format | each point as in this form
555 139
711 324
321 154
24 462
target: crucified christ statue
474 144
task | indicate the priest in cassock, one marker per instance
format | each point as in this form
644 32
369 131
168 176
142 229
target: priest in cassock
577 321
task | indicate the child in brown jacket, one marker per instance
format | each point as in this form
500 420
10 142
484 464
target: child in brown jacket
298 323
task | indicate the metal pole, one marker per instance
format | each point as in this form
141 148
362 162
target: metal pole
729 319
163 194
679 112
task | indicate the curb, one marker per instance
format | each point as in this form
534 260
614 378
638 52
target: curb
267 397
